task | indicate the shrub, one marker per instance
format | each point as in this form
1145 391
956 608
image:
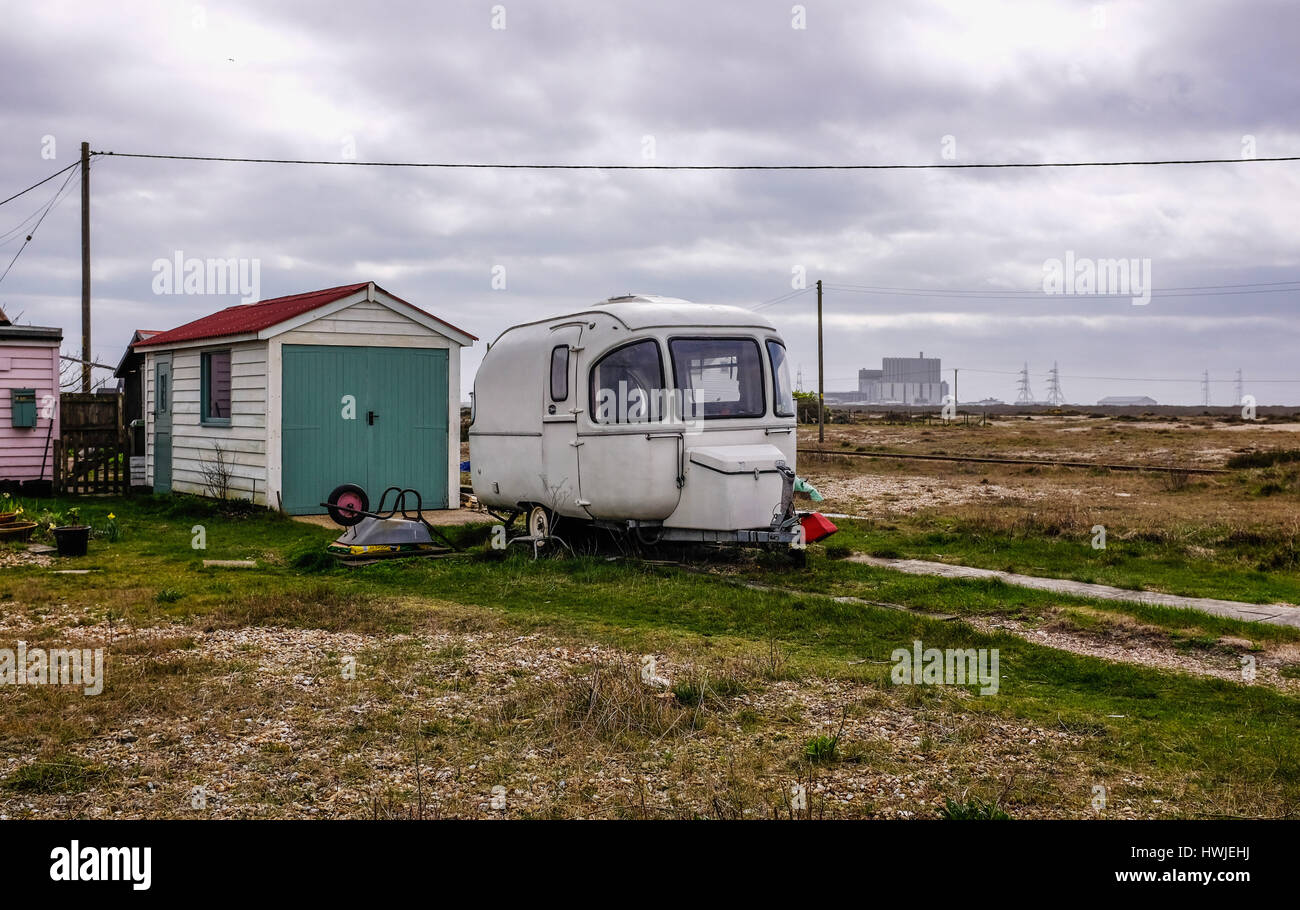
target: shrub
612 704
1264 459
973 809
821 749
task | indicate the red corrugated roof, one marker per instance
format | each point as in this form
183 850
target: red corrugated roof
253 317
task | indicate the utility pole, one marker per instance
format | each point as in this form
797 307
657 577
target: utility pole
821 371
955 399
85 266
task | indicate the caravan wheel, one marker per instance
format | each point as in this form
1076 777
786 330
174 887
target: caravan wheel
539 524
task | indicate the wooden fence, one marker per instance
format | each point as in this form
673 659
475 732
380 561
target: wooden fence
91 456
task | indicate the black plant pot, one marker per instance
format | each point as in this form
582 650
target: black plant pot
72 540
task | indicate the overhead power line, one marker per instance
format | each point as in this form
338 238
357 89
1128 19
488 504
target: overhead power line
39 182
1122 378
695 167
1156 293
1203 290
996 293
20 229
58 196
1194 287
784 297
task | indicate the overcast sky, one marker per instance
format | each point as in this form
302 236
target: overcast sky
691 83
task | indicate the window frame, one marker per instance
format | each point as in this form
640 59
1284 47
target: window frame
794 405
591 378
758 349
205 388
551 378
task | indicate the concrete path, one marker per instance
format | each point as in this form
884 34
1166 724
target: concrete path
1275 614
439 518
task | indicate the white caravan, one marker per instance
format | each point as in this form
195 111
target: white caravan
652 415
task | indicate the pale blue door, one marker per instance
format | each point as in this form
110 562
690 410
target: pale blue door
162 424
376 417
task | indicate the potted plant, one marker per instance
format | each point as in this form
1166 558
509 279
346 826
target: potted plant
9 509
72 537
13 527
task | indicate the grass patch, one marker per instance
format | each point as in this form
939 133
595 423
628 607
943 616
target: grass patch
1254 565
316 606
67 774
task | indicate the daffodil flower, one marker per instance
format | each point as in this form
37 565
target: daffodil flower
111 516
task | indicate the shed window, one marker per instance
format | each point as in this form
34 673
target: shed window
719 377
627 385
216 387
559 372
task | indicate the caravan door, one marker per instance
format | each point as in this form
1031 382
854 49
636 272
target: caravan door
561 405
631 442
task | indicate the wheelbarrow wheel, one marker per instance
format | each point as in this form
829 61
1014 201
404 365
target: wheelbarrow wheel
346 504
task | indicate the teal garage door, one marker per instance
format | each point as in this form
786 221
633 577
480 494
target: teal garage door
370 416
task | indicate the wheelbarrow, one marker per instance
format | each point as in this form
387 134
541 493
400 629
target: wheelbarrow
382 533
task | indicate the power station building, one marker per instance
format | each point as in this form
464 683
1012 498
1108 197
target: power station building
903 380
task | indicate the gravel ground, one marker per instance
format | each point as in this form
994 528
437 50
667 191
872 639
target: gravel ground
900 494
267 725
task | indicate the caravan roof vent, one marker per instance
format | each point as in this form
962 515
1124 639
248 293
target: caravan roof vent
645 298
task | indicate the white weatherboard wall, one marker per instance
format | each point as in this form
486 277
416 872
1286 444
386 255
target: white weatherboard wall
253 440
194 444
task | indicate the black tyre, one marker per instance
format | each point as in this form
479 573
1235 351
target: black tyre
346 503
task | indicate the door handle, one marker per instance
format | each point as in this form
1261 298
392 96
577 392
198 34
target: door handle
371 417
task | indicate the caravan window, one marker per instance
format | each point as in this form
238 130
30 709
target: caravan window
783 405
559 372
723 377
627 384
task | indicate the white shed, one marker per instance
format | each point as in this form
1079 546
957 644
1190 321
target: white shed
299 394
